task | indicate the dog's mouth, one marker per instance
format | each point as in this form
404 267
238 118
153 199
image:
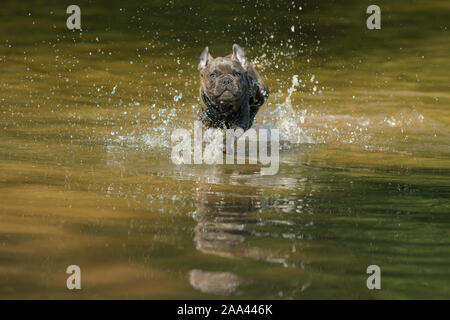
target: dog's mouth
226 94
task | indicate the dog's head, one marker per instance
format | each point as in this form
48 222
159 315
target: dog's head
224 80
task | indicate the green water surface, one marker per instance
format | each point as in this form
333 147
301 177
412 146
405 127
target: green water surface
86 176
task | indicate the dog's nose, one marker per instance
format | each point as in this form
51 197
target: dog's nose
226 81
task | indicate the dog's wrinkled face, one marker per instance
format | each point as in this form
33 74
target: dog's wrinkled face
224 80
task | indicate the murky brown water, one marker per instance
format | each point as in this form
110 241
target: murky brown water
86 176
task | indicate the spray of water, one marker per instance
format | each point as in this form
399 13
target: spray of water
286 119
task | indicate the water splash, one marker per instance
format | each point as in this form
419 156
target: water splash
285 118
165 120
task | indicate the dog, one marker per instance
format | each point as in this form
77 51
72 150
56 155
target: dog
231 89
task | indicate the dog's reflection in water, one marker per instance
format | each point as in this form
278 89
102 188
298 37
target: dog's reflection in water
226 197
219 230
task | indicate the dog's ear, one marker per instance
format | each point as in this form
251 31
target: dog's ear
239 55
205 57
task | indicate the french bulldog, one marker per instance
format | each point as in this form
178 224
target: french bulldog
231 89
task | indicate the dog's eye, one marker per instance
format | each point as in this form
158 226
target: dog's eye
212 75
236 74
